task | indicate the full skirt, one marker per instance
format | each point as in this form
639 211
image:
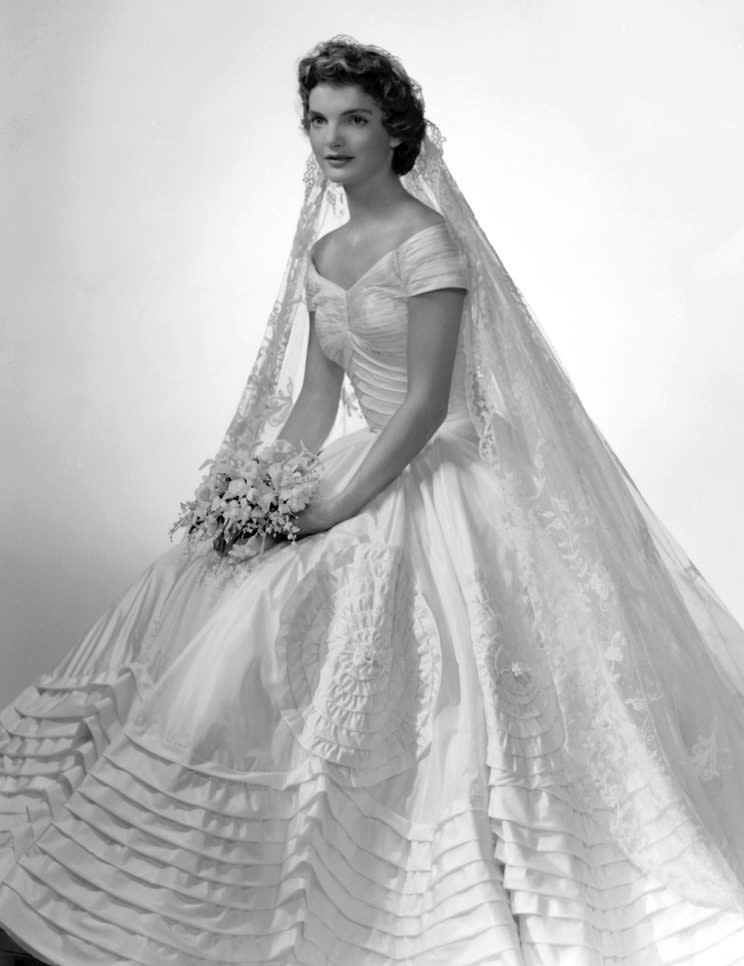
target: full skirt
301 760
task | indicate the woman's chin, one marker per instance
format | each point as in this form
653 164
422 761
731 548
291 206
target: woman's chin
337 175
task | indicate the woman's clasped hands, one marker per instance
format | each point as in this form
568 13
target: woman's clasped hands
319 515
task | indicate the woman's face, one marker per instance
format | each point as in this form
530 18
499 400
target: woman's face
345 121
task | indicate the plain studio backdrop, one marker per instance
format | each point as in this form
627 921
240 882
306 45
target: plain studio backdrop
151 175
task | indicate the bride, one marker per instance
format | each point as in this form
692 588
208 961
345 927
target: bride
483 711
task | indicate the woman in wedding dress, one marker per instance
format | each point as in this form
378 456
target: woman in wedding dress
484 711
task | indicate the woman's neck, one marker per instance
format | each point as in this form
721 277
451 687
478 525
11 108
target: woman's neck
375 198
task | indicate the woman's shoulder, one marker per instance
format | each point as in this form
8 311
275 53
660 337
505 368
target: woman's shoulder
431 257
322 243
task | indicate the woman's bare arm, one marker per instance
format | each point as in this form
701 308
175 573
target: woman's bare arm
314 411
433 327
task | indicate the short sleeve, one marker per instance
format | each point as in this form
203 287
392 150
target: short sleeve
310 292
432 259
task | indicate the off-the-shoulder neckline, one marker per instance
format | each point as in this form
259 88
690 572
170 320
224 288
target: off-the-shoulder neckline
380 260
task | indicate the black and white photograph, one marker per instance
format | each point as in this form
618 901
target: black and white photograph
373 504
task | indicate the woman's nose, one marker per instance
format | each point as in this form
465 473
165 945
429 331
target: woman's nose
334 136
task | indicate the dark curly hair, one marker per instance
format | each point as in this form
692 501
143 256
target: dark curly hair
342 60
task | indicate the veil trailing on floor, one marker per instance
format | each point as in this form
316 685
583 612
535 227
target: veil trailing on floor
647 663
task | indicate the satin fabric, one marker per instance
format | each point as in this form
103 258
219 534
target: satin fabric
327 756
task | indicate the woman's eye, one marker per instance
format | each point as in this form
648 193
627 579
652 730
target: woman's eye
316 119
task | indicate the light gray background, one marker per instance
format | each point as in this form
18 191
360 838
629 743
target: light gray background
151 176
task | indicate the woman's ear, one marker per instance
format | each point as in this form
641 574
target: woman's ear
395 141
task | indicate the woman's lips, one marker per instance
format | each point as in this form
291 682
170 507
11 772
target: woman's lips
338 162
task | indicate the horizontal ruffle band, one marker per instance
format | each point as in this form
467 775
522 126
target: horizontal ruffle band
152 861
50 738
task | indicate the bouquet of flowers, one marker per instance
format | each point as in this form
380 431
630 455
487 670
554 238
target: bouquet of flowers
251 495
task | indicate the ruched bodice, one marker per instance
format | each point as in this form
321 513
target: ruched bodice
364 328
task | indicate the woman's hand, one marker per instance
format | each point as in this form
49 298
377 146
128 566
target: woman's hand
317 517
223 546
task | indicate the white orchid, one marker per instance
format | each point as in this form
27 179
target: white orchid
237 487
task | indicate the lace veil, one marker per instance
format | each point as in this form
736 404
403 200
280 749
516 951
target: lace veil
646 662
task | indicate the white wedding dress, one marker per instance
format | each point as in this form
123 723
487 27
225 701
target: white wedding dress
351 754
